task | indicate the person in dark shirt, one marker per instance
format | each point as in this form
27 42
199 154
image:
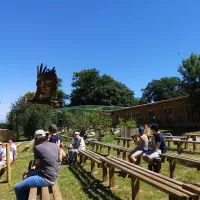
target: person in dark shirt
54 138
47 157
159 146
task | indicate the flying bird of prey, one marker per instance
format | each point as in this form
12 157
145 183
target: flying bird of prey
46 86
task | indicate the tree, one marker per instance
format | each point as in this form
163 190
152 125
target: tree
60 96
89 88
163 89
27 118
190 71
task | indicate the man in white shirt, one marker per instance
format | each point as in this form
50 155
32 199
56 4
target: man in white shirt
77 144
13 149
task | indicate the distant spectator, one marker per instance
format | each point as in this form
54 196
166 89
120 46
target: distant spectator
54 138
2 156
77 143
13 148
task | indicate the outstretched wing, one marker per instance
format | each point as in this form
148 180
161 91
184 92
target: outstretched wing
46 85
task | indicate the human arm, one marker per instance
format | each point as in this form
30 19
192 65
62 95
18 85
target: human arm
82 145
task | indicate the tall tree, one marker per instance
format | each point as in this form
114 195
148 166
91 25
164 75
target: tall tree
190 71
61 96
89 88
27 118
163 89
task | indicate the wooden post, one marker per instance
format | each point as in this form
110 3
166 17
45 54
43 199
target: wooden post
105 172
124 142
101 149
97 147
84 160
93 145
118 153
128 143
109 148
8 163
93 166
124 155
194 145
111 177
179 147
118 141
135 184
172 166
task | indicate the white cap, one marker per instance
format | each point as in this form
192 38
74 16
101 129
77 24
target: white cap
40 133
76 133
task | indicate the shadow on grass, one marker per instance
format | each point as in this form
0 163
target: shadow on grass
91 186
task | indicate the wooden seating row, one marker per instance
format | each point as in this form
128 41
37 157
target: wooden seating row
175 189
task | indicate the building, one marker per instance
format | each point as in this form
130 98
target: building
177 111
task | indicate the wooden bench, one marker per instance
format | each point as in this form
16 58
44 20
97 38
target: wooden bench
172 158
95 158
179 144
44 193
117 148
175 189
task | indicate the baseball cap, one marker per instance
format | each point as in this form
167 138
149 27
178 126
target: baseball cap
0 143
141 130
53 127
154 127
76 133
40 133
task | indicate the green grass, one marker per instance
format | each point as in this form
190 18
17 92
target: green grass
79 184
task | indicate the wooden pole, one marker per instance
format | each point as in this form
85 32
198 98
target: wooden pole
8 163
135 184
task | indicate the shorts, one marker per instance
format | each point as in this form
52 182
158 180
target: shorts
154 154
136 150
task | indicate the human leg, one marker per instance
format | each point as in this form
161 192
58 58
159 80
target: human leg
22 188
136 155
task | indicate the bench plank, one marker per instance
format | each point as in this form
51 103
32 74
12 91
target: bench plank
45 193
33 194
56 192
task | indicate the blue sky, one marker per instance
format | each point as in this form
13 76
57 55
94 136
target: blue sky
133 41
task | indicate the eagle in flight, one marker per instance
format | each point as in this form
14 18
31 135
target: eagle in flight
46 86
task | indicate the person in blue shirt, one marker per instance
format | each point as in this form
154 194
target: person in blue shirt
159 146
54 137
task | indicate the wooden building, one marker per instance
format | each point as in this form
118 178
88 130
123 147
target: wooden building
177 111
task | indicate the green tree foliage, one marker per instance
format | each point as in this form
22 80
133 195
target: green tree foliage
163 89
27 118
61 96
190 71
89 88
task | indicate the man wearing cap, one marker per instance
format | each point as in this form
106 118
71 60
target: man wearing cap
77 144
159 147
142 146
47 158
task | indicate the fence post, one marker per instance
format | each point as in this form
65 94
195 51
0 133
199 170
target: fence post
8 163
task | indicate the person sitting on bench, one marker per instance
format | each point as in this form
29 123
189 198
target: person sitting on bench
142 147
159 147
77 143
47 158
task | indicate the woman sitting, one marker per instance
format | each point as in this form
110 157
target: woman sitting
142 146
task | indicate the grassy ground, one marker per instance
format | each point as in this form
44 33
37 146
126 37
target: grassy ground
79 184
